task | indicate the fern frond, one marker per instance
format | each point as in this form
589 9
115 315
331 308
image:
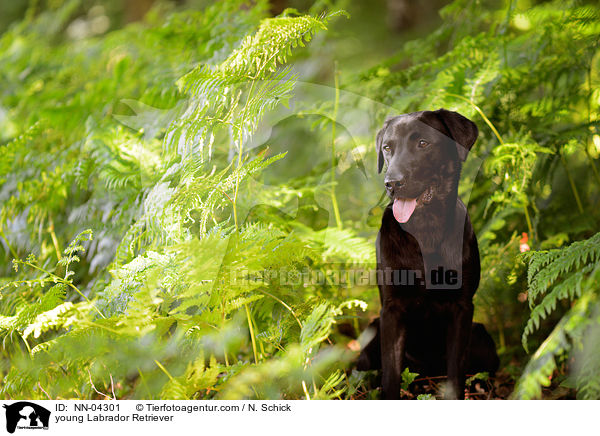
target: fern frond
217 91
343 245
317 326
540 368
63 316
197 377
545 267
570 289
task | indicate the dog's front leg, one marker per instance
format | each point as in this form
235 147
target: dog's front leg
393 340
457 342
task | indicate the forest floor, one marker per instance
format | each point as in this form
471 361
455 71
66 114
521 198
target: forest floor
499 387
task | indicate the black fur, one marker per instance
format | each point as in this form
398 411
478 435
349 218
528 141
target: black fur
426 327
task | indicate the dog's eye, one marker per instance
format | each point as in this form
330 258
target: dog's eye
387 147
423 143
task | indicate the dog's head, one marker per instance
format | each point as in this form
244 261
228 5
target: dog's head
423 152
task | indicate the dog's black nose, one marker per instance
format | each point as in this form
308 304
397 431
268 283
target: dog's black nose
395 183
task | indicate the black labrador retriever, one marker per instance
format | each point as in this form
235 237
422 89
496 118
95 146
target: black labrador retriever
427 257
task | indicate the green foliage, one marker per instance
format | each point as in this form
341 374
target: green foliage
528 76
483 376
193 285
182 299
570 274
241 88
407 378
561 270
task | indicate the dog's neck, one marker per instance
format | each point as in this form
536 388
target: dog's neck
430 224
438 228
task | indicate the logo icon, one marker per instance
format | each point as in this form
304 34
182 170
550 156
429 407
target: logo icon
26 415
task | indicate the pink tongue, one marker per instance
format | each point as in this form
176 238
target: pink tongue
403 208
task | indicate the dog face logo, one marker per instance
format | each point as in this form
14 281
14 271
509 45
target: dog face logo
26 415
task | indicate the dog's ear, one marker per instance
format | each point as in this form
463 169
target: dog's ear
463 131
379 144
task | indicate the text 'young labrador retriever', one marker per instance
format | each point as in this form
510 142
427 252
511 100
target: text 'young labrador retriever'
427 257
